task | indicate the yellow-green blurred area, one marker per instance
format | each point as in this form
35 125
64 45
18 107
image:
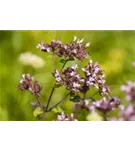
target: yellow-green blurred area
114 50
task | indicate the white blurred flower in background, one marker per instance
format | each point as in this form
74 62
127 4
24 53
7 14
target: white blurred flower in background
31 60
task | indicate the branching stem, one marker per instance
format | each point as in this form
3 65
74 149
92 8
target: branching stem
59 102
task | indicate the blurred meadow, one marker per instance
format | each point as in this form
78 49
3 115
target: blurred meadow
114 50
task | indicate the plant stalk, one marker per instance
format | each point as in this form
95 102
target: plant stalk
58 102
48 102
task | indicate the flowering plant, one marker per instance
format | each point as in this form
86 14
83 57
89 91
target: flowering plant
78 84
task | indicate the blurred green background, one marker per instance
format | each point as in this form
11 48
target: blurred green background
114 50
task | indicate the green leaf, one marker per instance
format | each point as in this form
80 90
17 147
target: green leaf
72 94
57 110
62 61
57 85
71 59
75 98
38 111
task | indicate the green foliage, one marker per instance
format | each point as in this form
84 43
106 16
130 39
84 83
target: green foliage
62 61
57 110
57 85
71 59
38 111
76 98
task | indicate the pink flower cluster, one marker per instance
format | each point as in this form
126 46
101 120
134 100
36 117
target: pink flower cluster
27 83
104 105
64 117
76 49
94 76
73 81
69 78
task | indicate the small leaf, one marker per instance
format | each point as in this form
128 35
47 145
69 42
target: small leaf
75 98
71 59
38 111
60 110
72 95
57 110
54 110
57 85
62 61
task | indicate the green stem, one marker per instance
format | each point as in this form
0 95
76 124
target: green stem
63 65
48 102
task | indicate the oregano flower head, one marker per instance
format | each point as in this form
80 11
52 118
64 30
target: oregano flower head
76 49
94 76
106 104
28 83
